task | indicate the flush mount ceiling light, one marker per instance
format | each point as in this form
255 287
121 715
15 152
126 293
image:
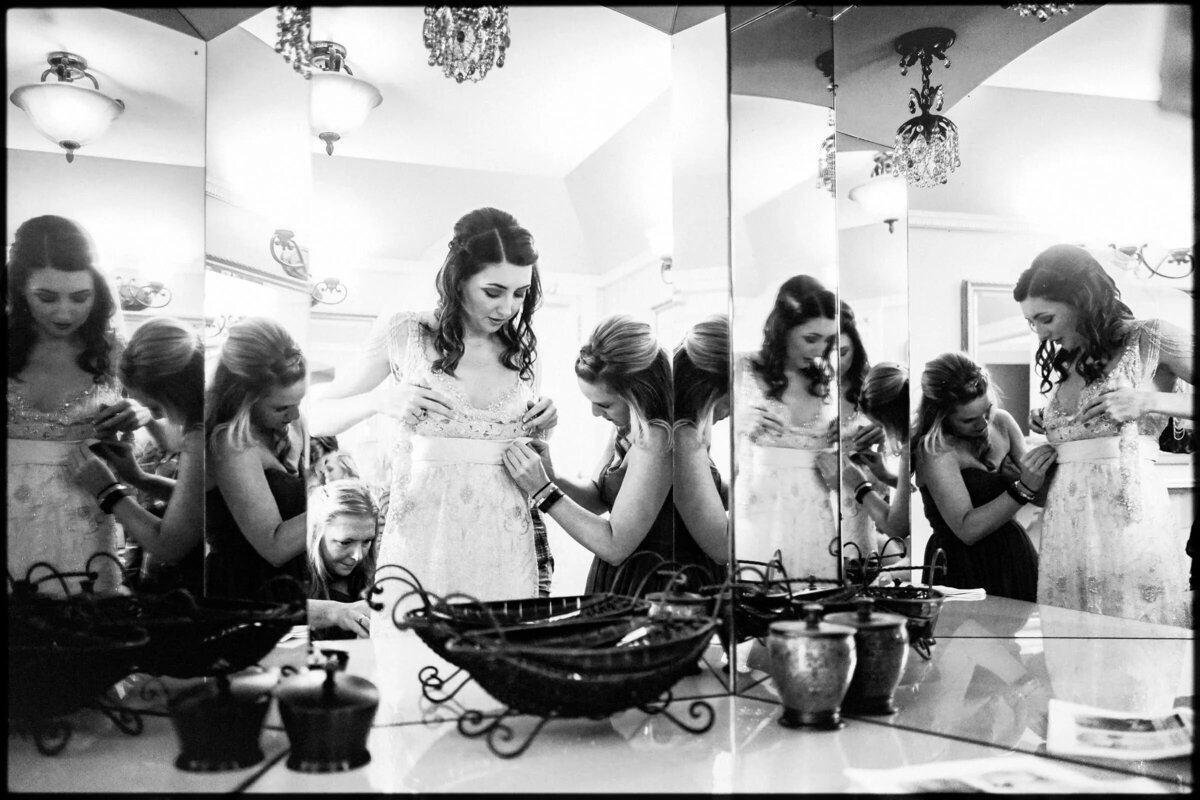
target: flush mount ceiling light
884 195
466 41
926 149
66 114
1043 11
339 102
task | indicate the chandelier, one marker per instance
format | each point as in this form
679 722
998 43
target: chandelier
827 156
1043 11
293 27
66 114
926 150
466 41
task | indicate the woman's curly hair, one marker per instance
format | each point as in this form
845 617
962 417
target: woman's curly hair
1068 274
852 379
800 299
484 237
51 241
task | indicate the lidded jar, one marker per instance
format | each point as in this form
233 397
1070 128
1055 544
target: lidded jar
811 663
881 641
219 722
327 718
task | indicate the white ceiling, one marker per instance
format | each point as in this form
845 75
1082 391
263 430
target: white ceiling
559 96
157 72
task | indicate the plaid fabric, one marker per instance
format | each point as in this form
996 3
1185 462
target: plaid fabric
545 561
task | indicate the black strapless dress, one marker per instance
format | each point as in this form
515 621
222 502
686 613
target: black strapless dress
233 568
1003 563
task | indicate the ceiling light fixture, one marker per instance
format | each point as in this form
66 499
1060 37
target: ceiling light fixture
339 103
466 41
884 195
926 149
1043 11
66 114
827 156
293 27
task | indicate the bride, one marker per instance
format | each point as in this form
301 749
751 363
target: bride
461 381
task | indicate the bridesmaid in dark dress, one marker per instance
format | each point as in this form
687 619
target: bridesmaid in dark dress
626 376
974 473
255 493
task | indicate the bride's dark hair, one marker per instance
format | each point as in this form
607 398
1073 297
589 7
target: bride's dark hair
51 241
800 299
484 237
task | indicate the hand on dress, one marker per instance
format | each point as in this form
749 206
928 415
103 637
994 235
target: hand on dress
866 438
541 416
762 421
412 402
1036 464
873 460
121 417
354 617
1037 420
828 467
119 456
525 466
1123 404
88 470
852 478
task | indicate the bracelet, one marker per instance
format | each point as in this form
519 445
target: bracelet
552 498
1016 494
104 491
544 485
861 492
1025 489
112 498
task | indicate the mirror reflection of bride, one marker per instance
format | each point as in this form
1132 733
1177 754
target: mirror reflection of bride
461 381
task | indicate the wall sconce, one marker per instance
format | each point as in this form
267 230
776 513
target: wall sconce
884 195
926 149
1130 257
338 102
138 298
214 327
664 270
288 254
66 114
330 292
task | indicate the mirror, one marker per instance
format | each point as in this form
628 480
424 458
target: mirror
583 157
137 191
785 279
257 299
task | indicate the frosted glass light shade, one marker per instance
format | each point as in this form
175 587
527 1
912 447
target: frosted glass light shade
339 103
884 197
66 114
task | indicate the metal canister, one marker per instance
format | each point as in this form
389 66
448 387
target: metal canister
882 644
811 664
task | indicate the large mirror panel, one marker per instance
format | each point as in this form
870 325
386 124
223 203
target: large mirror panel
579 148
106 223
784 330
257 300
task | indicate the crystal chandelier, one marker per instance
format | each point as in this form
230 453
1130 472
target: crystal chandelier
827 157
466 41
926 150
293 27
1043 11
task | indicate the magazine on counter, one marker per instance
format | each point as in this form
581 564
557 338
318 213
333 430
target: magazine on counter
1017 774
1087 731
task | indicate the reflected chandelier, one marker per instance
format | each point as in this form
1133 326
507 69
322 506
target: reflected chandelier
66 114
1043 11
466 41
827 157
926 150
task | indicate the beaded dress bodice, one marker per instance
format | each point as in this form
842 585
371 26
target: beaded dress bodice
71 421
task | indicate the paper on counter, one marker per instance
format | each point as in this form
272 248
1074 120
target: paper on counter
1074 729
1017 774
953 593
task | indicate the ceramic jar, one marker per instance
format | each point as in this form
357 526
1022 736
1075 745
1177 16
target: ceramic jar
881 642
811 663
327 717
219 722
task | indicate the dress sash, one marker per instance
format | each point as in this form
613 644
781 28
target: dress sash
785 457
455 450
1101 449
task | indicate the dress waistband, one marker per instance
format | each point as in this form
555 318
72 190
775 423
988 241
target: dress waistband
40 451
1103 448
456 450
785 457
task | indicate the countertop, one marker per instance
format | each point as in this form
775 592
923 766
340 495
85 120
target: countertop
982 694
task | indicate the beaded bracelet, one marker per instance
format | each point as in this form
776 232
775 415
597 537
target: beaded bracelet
552 498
